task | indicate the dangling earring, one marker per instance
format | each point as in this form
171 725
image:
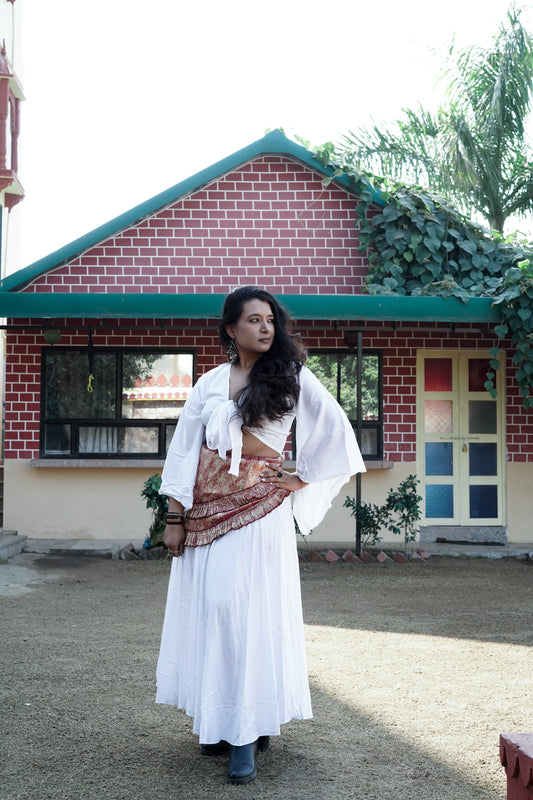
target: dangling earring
233 353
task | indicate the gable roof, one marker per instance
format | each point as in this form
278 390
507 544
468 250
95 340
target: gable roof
14 303
273 142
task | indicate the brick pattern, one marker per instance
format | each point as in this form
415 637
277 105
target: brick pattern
271 222
23 372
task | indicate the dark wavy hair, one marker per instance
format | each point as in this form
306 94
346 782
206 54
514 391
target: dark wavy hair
273 388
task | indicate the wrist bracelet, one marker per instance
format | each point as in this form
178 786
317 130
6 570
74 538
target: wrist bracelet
175 522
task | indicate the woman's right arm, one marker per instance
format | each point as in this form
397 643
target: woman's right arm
174 536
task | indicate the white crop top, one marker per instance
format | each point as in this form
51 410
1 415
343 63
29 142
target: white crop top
224 432
274 434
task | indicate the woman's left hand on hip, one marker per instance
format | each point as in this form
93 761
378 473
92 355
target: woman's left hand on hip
284 480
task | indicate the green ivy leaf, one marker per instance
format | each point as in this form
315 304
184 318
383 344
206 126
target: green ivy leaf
391 212
501 331
468 246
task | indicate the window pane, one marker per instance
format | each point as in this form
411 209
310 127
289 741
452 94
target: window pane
57 440
169 433
482 416
439 501
369 444
438 416
324 366
477 374
155 385
67 380
483 502
483 458
113 439
338 373
439 458
348 385
438 374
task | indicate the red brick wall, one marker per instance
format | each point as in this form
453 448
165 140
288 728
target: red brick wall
270 223
23 365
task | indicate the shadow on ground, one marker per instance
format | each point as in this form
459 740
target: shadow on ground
78 663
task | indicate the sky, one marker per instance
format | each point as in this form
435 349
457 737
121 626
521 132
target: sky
125 98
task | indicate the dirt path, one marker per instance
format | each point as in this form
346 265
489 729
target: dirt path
415 670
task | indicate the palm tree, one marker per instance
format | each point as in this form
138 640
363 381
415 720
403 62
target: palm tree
474 150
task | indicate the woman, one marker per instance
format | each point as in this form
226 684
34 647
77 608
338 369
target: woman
232 651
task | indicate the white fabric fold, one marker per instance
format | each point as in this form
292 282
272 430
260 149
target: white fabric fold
224 433
327 453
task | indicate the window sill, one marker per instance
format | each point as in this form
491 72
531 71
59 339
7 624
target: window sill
368 464
99 463
146 463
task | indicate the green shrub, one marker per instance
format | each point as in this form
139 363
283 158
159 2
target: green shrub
159 505
398 515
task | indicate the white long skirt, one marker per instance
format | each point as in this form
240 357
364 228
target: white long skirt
232 650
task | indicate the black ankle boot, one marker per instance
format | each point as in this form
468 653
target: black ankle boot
242 767
218 749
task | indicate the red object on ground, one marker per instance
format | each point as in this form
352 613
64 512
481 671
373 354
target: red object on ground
516 755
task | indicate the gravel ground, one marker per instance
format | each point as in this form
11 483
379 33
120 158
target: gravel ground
415 670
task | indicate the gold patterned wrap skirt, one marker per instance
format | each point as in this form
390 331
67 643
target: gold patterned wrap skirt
224 502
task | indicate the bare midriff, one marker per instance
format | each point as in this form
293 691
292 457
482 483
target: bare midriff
252 446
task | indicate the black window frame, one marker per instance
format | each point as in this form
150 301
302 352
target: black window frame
105 422
377 425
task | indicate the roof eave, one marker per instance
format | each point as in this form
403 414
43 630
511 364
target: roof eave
40 305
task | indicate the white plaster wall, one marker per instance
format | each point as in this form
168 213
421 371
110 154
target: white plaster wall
97 503
520 502
75 503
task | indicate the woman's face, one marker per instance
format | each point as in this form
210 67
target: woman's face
253 333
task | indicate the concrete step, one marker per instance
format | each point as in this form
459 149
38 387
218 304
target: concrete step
11 543
78 547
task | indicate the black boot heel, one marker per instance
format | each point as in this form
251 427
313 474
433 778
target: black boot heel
242 767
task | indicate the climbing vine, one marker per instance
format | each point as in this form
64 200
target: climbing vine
417 244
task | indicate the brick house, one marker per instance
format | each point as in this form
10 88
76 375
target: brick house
106 336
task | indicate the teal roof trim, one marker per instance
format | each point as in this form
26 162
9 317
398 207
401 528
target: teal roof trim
41 305
273 142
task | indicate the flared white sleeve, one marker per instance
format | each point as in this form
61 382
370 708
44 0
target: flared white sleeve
181 465
327 453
